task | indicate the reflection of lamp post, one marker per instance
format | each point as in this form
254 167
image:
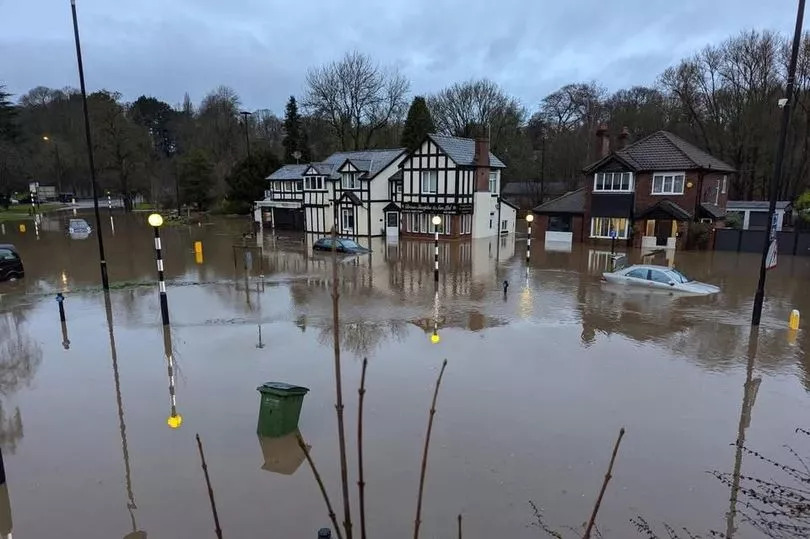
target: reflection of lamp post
529 219
435 337
155 220
436 222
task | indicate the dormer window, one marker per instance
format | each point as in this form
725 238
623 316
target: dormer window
349 180
616 182
313 183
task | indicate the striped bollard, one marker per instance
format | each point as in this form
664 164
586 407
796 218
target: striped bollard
529 219
155 220
436 222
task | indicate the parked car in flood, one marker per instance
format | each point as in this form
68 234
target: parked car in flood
11 266
344 245
79 227
659 278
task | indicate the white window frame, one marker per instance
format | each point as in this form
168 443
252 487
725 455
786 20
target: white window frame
432 176
344 213
493 182
725 184
662 176
349 181
620 234
629 189
268 193
505 225
298 186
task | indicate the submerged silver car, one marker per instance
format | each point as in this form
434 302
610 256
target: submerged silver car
659 278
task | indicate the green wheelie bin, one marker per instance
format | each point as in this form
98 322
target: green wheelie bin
280 408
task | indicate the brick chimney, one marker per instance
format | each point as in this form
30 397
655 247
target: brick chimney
481 162
604 140
624 137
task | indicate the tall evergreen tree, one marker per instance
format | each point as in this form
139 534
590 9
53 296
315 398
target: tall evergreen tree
418 124
295 137
9 129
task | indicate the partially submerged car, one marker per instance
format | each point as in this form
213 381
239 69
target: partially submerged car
343 245
78 227
659 278
11 266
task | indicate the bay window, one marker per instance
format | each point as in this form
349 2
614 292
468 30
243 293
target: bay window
668 183
620 182
601 227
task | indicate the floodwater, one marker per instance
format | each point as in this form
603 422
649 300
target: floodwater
537 385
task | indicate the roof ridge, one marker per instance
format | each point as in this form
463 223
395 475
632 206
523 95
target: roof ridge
568 194
639 141
667 134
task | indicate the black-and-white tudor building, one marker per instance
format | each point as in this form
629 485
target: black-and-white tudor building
393 192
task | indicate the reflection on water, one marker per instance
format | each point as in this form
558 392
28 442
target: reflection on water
548 368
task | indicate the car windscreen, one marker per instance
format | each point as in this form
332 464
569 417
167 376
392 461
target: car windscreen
350 244
679 277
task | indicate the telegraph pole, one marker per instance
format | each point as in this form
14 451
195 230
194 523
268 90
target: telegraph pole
785 104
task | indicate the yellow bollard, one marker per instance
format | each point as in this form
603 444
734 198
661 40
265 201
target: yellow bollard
22 227
198 247
793 321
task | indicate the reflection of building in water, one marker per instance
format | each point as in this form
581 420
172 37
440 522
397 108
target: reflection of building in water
5 502
282 455
20 357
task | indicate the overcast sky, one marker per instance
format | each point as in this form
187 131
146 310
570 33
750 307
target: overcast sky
262 48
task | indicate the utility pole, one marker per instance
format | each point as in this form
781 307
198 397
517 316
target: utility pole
785 104
105 283
245 114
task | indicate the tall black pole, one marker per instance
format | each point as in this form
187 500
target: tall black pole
164 304
777 168
245 115
105 283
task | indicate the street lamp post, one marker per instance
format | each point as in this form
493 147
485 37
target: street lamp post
105 283
156 220
529 219
436 222
46 138
245 114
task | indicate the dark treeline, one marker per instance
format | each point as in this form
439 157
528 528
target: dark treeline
723 98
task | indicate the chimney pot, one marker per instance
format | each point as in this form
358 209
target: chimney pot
624 136
604 138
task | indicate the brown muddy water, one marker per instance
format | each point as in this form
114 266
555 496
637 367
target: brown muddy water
537 386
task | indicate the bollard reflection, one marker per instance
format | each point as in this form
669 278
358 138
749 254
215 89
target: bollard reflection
175 420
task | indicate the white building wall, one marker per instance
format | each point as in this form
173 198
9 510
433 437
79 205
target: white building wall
508 214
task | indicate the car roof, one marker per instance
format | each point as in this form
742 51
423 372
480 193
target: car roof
7 246
648 266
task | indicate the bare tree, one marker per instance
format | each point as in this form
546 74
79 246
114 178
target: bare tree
357 97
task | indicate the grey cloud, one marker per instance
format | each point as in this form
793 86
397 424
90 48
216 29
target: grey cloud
263 49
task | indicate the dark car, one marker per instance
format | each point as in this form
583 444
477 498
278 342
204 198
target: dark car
343 246
11 266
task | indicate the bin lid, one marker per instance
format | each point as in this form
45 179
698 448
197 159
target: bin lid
282 388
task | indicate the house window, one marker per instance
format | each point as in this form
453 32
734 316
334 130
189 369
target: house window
493 183
268 193
347 220
466 223
430 182
398 188
313 183
349 180
601 227
619 182
559 223
725 184
297 185
504 226
668 184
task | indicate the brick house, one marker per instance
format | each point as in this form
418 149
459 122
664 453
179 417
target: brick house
648 192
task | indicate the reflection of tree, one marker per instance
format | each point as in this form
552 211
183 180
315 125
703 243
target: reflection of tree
11 429
20 357
362 337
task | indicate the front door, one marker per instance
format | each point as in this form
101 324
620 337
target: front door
663 229
392 226
347 221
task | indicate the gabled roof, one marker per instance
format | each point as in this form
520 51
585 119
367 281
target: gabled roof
668 208
351 197
371 162
664 151
462 150
756 205
713 210
288 172
573 202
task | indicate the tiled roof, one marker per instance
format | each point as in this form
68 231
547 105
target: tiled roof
462 150
573 202
369 161
757 205
715 211
669 208
664 151
288 172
